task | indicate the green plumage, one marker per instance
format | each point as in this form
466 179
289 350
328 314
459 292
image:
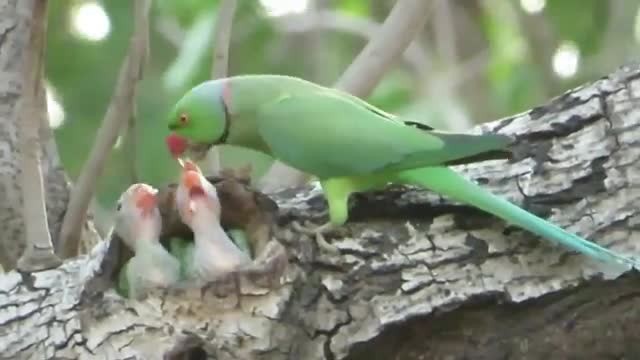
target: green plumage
351 145
122 287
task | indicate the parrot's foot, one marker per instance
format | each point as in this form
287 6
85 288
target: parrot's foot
317 231
38 259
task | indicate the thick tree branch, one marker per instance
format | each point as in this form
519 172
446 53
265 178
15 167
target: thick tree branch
15 29
118 113
404 21
220 62
416 277
39 253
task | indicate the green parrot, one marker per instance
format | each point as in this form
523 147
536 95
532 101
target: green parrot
349 145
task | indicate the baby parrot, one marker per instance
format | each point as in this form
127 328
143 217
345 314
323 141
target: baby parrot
138 223
349 145
213 253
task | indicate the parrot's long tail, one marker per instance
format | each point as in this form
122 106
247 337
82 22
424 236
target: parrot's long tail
447 182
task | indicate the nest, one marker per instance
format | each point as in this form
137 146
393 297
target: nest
242 207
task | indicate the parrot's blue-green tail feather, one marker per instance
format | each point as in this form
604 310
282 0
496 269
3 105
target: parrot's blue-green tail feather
445 181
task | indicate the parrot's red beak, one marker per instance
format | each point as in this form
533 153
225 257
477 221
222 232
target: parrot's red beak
177 145
145 199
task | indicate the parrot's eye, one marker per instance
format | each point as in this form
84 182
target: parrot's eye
183 119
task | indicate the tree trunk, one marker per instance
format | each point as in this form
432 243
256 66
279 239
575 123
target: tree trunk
416 277
14 36
14 31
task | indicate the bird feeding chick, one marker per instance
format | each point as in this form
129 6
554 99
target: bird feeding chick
139 224
213 254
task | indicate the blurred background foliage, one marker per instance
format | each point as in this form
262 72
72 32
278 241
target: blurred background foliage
474 61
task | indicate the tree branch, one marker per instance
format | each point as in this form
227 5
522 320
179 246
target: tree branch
220 62
416 276
445 31
222 38
415 55
39 253
404 21
118 113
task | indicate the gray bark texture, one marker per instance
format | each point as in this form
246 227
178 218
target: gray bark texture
415 275
14 36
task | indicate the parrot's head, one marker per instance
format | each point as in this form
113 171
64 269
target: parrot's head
200 119
137 214
196 198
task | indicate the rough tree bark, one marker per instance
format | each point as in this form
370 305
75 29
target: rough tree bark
417 277
14 36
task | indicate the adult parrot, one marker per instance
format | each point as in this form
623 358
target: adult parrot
349 145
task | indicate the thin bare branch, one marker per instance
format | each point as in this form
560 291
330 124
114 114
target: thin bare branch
38 254
170 30
119 111
316 44
445 32
222 38
130 145
220 62
405 20
415 55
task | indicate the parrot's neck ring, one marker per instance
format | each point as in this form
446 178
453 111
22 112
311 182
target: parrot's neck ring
227 123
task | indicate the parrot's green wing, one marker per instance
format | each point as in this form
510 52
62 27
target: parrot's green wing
329 135
180 249
239 237
123 283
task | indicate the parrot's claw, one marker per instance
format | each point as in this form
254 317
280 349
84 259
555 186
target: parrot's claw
317 231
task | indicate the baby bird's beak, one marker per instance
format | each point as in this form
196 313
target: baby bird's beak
193 184
188 165
191 180
146 200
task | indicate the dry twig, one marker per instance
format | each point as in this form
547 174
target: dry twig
119 111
